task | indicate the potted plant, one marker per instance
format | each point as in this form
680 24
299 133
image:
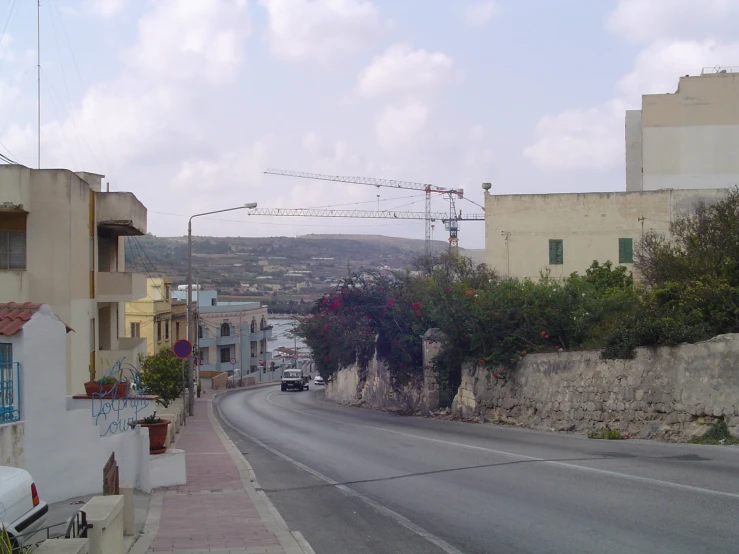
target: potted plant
157 432
107 386
161 375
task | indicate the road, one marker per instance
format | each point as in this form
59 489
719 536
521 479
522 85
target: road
361 481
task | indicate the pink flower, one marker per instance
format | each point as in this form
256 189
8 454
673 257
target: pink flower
390 302
415 306
326 327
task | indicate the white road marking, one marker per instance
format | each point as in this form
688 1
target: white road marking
627 476
405 522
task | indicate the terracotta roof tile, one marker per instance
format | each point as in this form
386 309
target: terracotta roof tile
14 315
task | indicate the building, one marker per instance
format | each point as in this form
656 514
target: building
232 336
150 317
688 139
62 244
526 234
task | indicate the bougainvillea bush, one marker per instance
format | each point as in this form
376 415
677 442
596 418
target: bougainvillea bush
368 312
485 319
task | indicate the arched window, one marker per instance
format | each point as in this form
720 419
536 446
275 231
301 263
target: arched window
253 325
225 330
263 324
200 331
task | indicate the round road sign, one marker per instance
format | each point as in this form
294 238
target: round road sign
233 361
182 348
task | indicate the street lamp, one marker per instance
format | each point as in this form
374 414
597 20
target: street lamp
190 338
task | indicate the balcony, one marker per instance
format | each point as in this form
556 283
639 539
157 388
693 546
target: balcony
120 286
261 335
120 214
129 348
227 341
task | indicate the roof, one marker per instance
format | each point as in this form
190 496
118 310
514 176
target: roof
14 315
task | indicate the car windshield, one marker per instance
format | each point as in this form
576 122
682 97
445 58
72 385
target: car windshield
292 374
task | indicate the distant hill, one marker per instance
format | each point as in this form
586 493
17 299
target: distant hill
234 264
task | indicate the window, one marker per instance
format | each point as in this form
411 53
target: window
225 355
166 329
556 252
6 355
13 249
168 293
263 324
253 325
626 251
135 330
177 330
225 330
200 331
159 330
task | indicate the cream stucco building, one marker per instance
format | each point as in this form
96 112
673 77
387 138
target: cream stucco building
526 234
62 244
150 317
688 139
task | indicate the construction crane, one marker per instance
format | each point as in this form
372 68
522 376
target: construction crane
428 189
450 221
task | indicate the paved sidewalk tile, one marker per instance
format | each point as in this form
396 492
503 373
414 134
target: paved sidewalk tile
213 512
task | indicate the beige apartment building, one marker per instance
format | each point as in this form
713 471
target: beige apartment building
150 317
688 139
526 234
62 244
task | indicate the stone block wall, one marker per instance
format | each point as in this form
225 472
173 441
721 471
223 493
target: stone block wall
669 393
374 388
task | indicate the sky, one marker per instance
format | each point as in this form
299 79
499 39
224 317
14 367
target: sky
187 102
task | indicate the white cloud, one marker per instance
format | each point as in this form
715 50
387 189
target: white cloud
647 20
681 36
320 30
403 72
579 139
480 13
107 8
398 126
192 39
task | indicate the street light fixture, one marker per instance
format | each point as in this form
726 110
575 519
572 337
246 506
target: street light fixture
190 390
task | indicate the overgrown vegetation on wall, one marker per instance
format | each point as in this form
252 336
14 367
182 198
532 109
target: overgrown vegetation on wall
690 292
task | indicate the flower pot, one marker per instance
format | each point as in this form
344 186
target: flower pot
112 390
157 435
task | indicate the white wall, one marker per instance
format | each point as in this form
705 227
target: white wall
63 448
634 160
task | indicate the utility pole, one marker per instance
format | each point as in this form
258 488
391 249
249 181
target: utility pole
38 71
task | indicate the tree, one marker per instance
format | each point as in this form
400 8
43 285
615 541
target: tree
702 244
161 375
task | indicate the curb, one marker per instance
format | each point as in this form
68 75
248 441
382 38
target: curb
292 541
144 541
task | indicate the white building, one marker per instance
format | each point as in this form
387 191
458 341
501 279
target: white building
688 139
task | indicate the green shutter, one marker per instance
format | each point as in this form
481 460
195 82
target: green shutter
626 251
556 252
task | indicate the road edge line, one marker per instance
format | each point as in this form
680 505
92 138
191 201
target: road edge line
387 512
151 527
289 540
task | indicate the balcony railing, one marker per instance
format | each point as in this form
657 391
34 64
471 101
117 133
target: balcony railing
10 392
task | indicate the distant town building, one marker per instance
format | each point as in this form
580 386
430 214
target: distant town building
150 317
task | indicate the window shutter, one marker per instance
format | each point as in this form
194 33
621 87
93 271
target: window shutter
556 252
625 251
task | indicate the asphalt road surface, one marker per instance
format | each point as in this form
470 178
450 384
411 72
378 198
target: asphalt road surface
359 481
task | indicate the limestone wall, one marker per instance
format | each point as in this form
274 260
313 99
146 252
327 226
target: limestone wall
662 393
374 388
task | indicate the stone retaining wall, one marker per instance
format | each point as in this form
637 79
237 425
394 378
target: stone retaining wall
669 393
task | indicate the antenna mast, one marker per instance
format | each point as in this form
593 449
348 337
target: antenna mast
38 70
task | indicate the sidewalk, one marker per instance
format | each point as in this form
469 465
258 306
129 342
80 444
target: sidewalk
218 510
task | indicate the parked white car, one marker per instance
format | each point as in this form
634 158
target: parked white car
21 510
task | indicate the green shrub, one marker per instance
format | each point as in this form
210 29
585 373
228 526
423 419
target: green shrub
605 434
161 374
717 433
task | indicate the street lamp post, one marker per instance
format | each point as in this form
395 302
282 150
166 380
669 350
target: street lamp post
190 388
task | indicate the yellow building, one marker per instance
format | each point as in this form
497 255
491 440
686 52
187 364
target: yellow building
526 234
62 244
150 317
